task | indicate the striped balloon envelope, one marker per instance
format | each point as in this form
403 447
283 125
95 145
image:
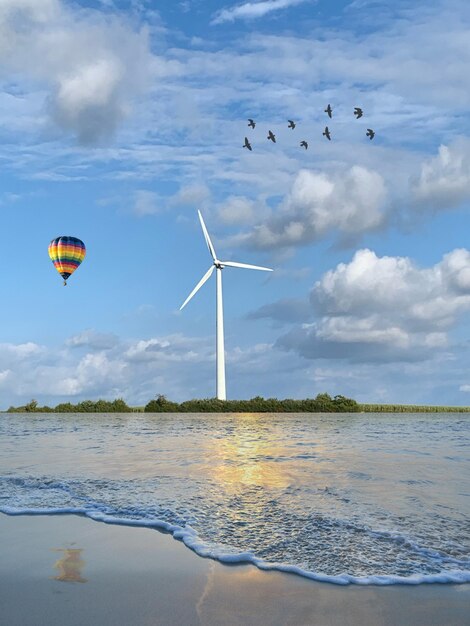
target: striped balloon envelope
66 254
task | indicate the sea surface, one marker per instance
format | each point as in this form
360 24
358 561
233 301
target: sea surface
345 498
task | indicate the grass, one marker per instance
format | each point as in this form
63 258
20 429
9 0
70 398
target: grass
411 408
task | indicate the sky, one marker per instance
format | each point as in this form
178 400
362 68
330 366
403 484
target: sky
119 119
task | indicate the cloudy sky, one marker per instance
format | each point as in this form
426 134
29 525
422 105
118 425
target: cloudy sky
120 118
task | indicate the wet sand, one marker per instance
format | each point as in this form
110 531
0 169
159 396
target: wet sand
68 570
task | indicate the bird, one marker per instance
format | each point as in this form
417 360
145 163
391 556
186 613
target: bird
271 136
370 133
304 144
329 110
326 132
247 144
358 112
251 123
291 124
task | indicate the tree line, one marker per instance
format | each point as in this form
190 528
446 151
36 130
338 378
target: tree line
87 406
323 403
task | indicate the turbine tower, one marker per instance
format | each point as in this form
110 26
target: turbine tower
218 266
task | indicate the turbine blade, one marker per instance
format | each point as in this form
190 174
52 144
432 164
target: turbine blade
245 266
206 276
207 238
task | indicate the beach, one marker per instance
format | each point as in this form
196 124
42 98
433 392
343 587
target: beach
141 576
234 519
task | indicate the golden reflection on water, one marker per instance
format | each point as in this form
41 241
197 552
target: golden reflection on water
70 566
243 458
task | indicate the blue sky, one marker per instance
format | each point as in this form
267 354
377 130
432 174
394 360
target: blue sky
119 119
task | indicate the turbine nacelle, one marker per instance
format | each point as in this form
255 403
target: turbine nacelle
216 264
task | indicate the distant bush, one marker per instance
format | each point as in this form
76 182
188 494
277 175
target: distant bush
161 405
87 406
321 404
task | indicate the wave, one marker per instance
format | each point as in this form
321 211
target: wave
190 538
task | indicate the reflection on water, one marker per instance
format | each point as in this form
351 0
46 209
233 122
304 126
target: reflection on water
360 494
70 566
246 458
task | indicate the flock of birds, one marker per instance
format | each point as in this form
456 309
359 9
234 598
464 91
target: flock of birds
358 112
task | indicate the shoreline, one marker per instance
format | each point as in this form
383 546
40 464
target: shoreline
399 409
66 568
191 540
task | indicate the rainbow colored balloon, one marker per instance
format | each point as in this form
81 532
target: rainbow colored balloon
66 253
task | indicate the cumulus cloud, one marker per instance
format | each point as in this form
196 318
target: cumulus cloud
179 366
465 388
91 64
444 180
20 351
384 309
253 10
349 203
105 367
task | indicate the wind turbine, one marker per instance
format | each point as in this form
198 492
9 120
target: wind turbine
218 266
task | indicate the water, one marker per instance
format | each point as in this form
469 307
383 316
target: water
347 498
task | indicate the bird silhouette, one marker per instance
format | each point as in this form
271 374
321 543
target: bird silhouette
304 144
370 133
251 123
247 144
326 132
291 124
271 136
358 112
329 110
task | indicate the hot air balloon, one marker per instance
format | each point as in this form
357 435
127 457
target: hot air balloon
66 253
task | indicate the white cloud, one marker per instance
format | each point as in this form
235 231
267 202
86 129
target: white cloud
253 10
465 388
4 376
378 285
146 203
20 351
109 368
349 203
444 180
91 339
150 203
183 367
384 309
191 195
92 65
174 348
239 210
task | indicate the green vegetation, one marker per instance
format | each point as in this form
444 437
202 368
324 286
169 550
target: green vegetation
411 408
323 403
87 406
